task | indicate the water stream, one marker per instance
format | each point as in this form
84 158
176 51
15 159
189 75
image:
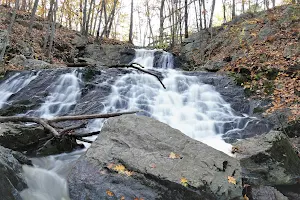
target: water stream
14 84
187 104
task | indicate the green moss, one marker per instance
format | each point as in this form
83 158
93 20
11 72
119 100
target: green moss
88 74
269 87
258 110
271 74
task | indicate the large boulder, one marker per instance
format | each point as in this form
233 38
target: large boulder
268 159
139 157
11 179
108 54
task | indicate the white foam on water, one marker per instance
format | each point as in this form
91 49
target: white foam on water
14 84
66 92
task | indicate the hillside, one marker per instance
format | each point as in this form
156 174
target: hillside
261 51
65 41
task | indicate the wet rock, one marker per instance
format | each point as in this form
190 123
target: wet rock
143 145
268 159
267 193
31 140
249 128
11 179
108 54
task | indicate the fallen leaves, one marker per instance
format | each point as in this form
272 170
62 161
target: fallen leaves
174 156
110 193
184 182
121 169
231 180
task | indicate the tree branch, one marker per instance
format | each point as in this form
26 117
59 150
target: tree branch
132 65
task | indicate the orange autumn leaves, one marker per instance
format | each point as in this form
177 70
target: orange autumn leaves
121 169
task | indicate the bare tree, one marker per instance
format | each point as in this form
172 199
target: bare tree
186 29
233 9
212 13
9 30
36 2
161 21
131 23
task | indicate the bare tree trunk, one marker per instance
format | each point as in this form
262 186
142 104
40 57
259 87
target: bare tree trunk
149 20
243 6
84 16
197 23
51 39
23 5
186 29
204 13
100 20
131 23
9 30
224 11
200 15
161 21
212 13
273 3
36 2
88 18
233 9
95 22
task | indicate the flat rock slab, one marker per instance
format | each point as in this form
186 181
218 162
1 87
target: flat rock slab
143 146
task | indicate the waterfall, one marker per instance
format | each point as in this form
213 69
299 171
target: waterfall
65 93
186 104
14 84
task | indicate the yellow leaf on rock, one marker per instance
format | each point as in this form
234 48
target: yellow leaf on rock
184 181
245 197
119 168
231 180
128 173
174 155
110 193
122 198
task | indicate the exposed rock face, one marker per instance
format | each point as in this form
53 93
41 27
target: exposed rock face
267 193
268 159
11 179
143 145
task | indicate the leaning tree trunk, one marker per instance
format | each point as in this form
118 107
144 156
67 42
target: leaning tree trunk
36 2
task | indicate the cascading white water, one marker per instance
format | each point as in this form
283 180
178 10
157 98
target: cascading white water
14 84
46 180
66 92
194 108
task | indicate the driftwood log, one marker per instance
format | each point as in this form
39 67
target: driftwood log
49 125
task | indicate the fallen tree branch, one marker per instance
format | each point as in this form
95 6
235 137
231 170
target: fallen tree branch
37 120
46 122
132 65
66 130
93 116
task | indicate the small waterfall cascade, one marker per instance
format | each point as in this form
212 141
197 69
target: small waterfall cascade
65 93
187 104
14 84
